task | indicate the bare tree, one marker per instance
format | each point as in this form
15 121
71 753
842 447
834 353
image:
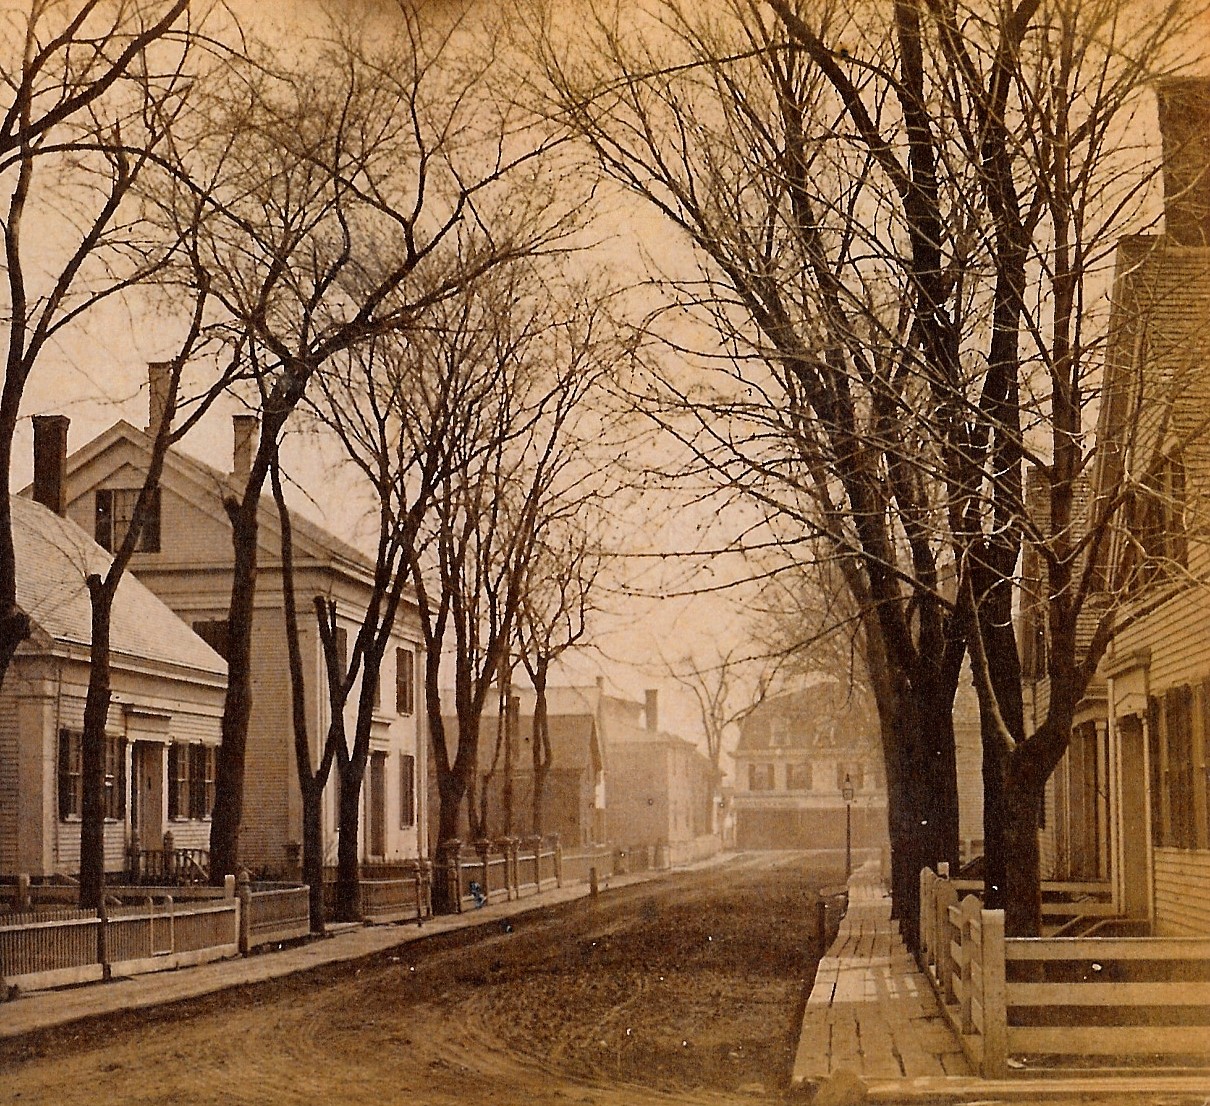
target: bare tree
518 470
726 689
564 575
90 92
900 212
337 185
103 591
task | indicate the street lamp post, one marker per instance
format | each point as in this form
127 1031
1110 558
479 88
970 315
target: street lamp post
847 792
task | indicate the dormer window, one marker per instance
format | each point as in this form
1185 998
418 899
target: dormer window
114 511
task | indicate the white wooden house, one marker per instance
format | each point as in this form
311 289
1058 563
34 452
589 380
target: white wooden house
168 688
186 560
1133 792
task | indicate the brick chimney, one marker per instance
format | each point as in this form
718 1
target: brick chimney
1184 111
50 461
158 375
244 428
651 710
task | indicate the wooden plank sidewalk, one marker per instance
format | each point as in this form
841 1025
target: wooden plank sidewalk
871 1013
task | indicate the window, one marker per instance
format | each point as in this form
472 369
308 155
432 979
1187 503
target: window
178 780
340 638
798 776
378 804
760 777
114 512
405 681
71 776
202 760
115 778
407 791
191 772
1156 518
214 633
1180 828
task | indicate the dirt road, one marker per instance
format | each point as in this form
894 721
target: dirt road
685 990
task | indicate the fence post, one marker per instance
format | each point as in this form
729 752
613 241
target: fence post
969 919
103 937
229 886
512 846
22 903
169 855
558 861
925 883
244 912
945 896
449 874
995 1013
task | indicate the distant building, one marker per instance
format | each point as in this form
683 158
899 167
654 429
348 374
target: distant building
185 558
163 728
662 789
573 803
795 753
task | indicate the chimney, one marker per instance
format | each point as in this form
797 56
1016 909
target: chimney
245 427
158 375
651 710
1184 110
50 461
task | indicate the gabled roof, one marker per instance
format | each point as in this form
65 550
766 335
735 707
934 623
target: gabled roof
54 558
310 540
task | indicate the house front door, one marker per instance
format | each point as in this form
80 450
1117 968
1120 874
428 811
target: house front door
148 806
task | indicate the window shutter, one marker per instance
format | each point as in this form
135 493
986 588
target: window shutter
120 798
405 681
104 518
174 775
407 791
64 774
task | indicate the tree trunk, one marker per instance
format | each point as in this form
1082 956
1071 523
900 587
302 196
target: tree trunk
312 853
237 707
348 907
96 715
1023 902
541 744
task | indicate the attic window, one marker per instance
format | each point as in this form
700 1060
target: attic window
1156 518
114 512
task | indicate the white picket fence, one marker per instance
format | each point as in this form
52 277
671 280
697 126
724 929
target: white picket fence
1051 1003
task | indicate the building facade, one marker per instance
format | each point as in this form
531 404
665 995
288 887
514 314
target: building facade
799 753
163 730
185 559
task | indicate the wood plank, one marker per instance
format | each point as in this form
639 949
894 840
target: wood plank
1107 948
1110 1040
1086 908
1109 994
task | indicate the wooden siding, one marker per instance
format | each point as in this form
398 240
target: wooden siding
1176 635
1182 893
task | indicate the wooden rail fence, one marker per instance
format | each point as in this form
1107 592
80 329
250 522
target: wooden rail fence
1052 1003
